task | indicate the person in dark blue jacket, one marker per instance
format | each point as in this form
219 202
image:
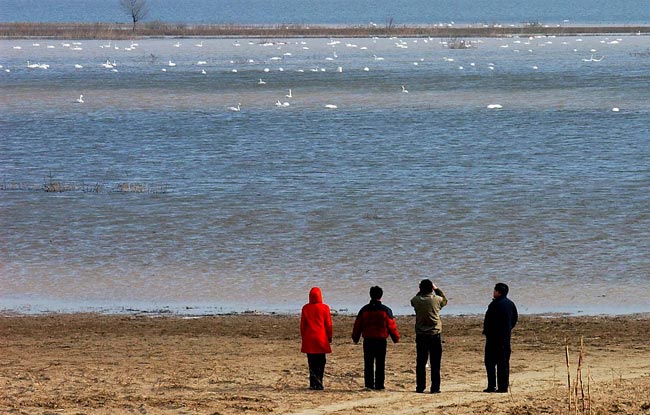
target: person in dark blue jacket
375 323
500 318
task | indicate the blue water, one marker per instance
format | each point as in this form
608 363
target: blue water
336 11
247 210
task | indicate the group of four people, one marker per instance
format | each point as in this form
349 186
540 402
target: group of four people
375 323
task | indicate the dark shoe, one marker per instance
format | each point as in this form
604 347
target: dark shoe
490 390
419 391
435 391
501 391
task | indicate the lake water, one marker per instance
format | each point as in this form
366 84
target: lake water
336 11
247 210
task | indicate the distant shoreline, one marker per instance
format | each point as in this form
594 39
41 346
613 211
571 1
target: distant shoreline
161 29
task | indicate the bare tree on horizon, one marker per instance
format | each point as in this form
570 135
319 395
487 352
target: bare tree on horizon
137 9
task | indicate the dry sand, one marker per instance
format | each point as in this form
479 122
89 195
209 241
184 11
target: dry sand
249 364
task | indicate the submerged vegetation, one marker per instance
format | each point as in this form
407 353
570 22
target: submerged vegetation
51 185
157 28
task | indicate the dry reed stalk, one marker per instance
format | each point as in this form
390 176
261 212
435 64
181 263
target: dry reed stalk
576 383
568 370
582 386
589 388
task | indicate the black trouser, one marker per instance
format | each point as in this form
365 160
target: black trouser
316 370
374 354
428 347
497 364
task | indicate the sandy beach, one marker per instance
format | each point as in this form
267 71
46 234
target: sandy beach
248 363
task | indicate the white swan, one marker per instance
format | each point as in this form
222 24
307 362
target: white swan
32 65
76 65
80 99
203 72
261 82
235 109
404 90
592 59
171 63
289 95
331 106
199 45
495 106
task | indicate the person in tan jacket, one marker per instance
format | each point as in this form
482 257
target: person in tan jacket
428 329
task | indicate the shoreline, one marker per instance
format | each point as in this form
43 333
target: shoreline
121 31
238 364
203 310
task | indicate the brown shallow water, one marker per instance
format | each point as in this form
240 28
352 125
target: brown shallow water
232 364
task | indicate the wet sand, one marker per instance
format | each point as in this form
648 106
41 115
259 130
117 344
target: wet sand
251 364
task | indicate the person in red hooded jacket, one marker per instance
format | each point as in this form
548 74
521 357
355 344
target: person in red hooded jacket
316 334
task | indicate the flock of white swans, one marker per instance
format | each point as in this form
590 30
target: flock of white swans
517 45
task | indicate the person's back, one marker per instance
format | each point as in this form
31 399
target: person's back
316 324
427 307
375 323
316 334
500 318
428 328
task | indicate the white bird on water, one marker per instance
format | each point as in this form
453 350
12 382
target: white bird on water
289 95
261 82
171 63
331 106
495 106
404 90
80 99
235 109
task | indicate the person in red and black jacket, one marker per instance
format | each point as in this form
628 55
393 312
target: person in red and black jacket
375 323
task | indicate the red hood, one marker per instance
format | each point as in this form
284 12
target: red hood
315 296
